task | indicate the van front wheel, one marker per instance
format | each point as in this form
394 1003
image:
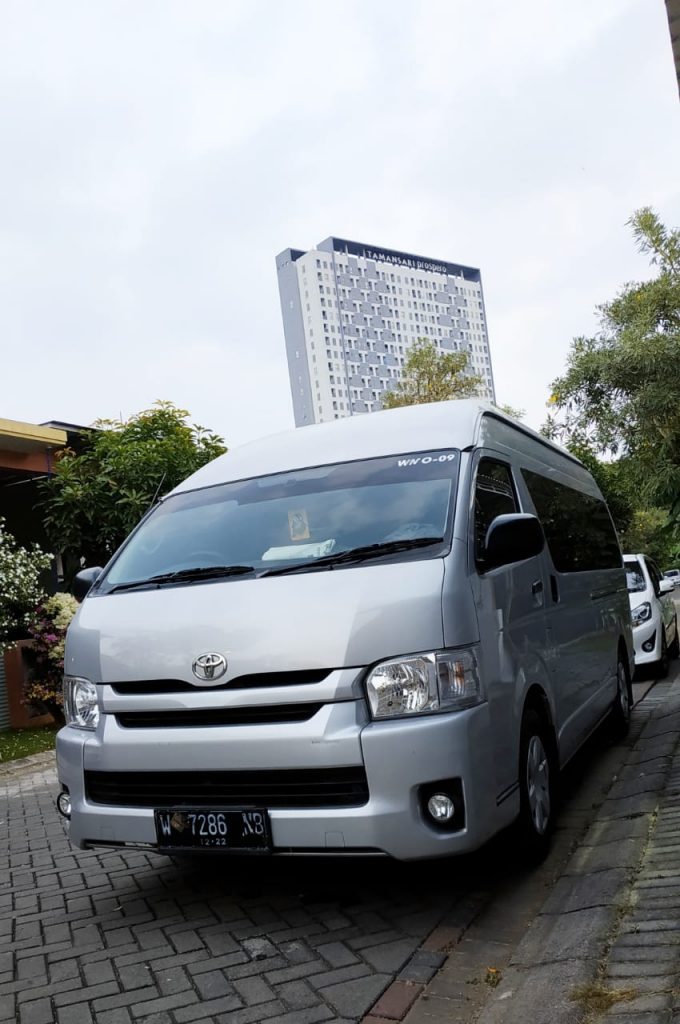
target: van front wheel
623 703
536 788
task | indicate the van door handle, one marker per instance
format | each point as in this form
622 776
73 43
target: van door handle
553 589
537 587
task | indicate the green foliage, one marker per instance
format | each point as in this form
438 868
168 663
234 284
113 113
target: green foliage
510 410
648 532
432 376
20 586
620 394
96 496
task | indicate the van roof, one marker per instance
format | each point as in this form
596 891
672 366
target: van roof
415 428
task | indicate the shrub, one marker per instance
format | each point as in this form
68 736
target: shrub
48 629
20 587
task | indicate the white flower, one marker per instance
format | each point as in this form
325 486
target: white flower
20 587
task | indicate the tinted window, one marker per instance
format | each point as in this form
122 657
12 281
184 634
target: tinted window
635 581
494 496
578 527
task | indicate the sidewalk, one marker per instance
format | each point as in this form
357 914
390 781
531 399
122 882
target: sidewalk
605 945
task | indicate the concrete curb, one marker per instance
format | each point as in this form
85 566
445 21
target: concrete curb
21 765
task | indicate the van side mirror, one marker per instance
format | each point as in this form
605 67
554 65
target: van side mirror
666 586
512 538
83 580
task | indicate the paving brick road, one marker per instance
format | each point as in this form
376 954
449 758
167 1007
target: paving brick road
125 937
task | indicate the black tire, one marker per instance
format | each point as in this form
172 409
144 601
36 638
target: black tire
663 664
674 649
537 776
619 715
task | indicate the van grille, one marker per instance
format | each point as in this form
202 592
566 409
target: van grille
291 787
187 717
254 680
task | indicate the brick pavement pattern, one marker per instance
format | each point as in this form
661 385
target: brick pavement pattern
119 937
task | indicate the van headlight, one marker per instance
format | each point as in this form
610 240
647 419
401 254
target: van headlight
81 707
424 683
642 613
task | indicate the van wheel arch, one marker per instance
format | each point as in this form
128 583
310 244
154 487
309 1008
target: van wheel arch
623 656
537 700
622 705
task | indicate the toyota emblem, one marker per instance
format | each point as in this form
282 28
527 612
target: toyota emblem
209 666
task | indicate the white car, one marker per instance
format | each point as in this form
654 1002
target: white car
674 576
655 620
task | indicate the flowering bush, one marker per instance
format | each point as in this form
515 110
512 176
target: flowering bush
48 630
20 588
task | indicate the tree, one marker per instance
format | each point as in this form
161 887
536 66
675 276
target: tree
647 532
620 394
510 410
432 376
97 495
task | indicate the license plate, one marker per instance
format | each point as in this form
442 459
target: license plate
234 830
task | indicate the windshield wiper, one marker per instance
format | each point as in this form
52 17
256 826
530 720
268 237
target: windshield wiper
205 572
361 554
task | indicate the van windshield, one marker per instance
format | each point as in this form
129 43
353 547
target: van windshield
396 507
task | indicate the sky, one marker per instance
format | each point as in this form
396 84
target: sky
156 156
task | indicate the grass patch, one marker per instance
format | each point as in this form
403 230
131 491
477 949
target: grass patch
17 743
596 997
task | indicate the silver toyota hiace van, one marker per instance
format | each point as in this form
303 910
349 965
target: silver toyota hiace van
385 634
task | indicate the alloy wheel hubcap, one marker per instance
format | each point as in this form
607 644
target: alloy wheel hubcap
538 785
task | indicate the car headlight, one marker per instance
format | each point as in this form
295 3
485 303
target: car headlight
81 707
424 683
642 613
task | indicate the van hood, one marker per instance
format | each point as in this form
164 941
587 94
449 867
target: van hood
319 620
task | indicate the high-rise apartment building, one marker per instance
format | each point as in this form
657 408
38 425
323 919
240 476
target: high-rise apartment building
350 313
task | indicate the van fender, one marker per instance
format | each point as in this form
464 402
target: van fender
526 677
536 698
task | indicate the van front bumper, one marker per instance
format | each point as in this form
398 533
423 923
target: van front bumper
399 757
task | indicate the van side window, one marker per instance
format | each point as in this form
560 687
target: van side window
578 528
494 496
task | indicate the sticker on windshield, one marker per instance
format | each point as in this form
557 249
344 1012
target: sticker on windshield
429 459
298 525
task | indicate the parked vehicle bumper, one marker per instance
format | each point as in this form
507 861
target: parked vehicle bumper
400 757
